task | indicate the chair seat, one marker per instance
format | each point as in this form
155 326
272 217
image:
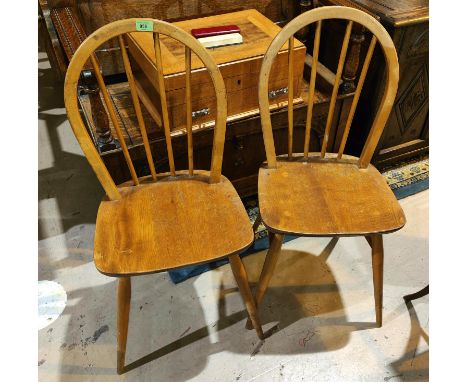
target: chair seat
327 198
168 224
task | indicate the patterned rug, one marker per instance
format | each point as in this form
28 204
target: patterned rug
409 177
405 179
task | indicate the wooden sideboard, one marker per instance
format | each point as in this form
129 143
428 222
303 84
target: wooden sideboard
407 131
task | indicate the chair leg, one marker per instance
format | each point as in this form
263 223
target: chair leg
271 236
377 270
124 294
276 240
256 223
240 275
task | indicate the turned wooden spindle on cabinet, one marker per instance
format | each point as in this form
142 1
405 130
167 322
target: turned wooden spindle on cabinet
407 131
352 60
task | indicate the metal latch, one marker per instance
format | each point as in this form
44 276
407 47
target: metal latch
277 92
200 113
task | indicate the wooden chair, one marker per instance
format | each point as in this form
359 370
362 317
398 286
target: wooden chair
328 194
162 221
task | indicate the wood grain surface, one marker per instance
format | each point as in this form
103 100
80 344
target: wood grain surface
392 73
159 222
328 194
171 223
327 198
86 51
257 32
239 66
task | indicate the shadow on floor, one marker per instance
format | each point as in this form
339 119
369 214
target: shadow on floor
77 193
70 180
160 313
155 319
411 366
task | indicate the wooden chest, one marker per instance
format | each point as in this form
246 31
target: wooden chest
239 65
57 24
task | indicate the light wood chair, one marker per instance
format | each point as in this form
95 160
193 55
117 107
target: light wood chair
162 221
320 193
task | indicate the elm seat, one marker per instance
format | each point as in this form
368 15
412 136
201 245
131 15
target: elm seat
322 190
167 224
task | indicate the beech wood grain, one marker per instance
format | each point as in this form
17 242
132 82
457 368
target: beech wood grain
163 221
339 71
313 77
124 294
357 93
392 73
328 194
137 107
162 97
112 114
377 272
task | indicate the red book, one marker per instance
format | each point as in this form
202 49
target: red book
215 31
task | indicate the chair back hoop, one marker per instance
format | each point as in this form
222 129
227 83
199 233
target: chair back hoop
392 75
86 52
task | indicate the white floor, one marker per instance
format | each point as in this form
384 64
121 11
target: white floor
319 308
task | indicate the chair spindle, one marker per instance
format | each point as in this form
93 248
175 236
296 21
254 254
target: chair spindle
290 95
339 71
136 105
357 94
188 102
313 76
162 94
113 116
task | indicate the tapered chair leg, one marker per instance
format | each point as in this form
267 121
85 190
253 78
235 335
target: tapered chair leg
256 223
276 240
377 270
240 275
124 294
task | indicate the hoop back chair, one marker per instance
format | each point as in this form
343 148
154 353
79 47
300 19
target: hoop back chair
320 193
162 221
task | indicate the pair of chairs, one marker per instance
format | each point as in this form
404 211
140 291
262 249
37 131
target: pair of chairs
186 217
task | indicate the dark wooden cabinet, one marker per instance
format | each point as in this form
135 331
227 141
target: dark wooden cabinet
407 131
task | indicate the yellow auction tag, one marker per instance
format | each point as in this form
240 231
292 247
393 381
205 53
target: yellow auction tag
144 26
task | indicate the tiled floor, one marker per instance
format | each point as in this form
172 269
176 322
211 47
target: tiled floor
319 309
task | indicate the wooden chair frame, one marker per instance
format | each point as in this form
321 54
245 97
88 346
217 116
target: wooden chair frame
85 52
392 75
381 36
81 59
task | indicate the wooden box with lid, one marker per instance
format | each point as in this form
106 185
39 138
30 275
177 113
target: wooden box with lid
239 66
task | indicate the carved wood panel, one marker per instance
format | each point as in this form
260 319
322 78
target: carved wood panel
412 100
407 129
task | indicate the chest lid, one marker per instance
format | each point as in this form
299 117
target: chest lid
395 13
257 32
